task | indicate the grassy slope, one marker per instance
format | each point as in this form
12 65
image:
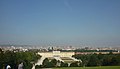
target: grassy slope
102 67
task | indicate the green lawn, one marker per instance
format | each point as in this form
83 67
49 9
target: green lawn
102 67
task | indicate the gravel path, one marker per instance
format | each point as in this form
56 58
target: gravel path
40 61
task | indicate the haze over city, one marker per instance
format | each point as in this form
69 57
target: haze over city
60 22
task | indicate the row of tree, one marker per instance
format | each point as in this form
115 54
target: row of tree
56 63
86 50
87 60
99 59
15 58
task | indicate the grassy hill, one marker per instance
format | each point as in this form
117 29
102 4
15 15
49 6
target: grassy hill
102 67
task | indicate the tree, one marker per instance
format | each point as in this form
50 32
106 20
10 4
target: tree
111 60
63 64
54 62
94 61
107 60
110 53
1 58
14 58
74 64
84 58
45 62
38 66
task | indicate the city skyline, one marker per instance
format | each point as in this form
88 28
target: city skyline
60 22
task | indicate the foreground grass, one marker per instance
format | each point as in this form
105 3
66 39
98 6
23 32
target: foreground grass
101 67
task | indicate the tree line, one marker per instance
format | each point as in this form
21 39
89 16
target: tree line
13 59
87 61
99 59
56 63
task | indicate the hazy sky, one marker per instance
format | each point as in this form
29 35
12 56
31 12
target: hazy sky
60 22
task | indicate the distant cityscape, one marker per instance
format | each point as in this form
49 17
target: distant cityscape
64 54
78 50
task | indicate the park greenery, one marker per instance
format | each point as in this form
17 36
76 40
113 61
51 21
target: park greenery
99 59
51 63
99 67
13 59
30 57
88 60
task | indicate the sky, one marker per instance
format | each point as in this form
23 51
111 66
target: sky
60 22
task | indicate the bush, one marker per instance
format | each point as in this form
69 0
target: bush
64 64
74 64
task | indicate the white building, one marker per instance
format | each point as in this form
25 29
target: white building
56 54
